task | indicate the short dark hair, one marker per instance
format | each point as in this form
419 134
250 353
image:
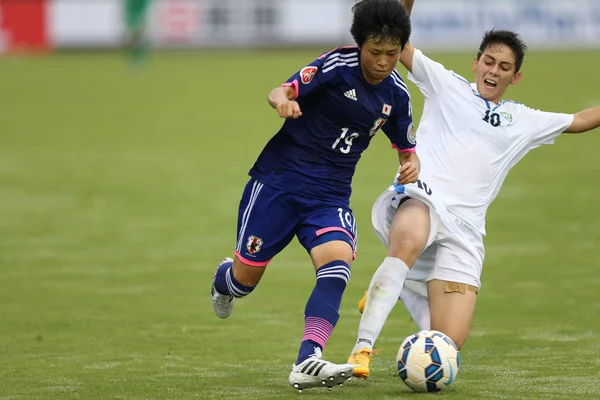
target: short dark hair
383 20
508 38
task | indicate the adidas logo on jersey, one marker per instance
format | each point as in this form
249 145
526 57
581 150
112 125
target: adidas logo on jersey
351 94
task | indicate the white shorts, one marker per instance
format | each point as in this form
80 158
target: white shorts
454 251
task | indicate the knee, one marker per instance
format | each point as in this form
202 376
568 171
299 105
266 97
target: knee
406 249
459 338
457 333
334 247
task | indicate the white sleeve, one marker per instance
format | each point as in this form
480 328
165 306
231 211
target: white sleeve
429 76
544 127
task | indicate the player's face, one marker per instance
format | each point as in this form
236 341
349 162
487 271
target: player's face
378 59
495 70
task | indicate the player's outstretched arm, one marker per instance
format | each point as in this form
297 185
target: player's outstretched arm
410 167
282 100
585 120
406 58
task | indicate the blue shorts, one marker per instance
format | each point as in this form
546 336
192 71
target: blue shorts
269 218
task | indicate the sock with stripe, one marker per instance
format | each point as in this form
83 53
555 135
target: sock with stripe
322 309
226 284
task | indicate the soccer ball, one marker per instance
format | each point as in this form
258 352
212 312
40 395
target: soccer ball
428 361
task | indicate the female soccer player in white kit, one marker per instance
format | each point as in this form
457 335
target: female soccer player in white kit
469 139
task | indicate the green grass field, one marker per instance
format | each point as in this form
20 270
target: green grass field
119 193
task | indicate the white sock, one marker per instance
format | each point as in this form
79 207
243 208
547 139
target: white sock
418 308
384 292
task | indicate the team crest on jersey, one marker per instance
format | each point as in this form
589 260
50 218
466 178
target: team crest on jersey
411 135
254 244
508 116
387 109
379 122
307 74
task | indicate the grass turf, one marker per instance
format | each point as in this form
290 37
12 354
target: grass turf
119 192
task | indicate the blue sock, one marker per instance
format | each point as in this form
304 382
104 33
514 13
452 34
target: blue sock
322 309
225 282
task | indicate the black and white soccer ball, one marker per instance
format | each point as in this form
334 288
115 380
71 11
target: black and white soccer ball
428 361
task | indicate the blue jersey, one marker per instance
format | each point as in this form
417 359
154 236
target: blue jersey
316 154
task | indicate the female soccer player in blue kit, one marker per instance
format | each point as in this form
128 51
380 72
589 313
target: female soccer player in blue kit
300 184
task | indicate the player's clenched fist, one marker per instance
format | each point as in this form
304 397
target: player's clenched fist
288 109
409 173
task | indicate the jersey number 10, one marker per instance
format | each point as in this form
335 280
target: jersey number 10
492 118
347 139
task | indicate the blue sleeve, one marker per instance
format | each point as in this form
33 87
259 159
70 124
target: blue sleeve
399 129
317 73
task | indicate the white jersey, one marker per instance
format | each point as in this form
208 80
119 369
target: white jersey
467 145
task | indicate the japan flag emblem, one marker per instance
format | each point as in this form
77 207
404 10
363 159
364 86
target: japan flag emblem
307 74
254 244
387 109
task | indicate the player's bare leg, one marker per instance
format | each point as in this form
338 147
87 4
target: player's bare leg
409 233
332 263
452 306
247 275
233 279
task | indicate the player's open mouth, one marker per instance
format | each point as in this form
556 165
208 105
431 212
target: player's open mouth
490 84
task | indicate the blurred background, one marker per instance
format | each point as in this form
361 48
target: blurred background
193 24
127 128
